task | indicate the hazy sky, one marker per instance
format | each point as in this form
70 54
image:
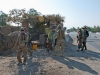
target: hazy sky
77 12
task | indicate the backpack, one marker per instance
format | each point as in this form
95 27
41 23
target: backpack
87 33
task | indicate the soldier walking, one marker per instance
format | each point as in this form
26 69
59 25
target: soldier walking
28 38
22 46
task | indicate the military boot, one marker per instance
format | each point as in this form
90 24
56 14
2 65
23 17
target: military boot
85 47
82 49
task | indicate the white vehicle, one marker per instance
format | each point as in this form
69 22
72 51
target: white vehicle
68 31
98 33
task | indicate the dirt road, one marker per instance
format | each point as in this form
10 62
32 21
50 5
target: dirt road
73 63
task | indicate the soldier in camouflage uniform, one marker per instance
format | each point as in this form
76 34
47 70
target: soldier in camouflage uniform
22 46
28 37
86 34
60 41
80 39
49 40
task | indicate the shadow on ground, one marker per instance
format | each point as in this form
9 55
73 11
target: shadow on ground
70 63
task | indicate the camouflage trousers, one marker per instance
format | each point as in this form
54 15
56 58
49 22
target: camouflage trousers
29 51
84 43
24 50
49 45
29 48
60 43
80 44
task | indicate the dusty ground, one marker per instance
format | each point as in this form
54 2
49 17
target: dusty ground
74 63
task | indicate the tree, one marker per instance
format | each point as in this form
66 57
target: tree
3 17
73 29
65 28
98 28
32 11
17 16
34 19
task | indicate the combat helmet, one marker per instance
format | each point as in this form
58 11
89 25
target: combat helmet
84 27
25 28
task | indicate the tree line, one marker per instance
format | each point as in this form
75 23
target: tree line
91 29
32 16
15 15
